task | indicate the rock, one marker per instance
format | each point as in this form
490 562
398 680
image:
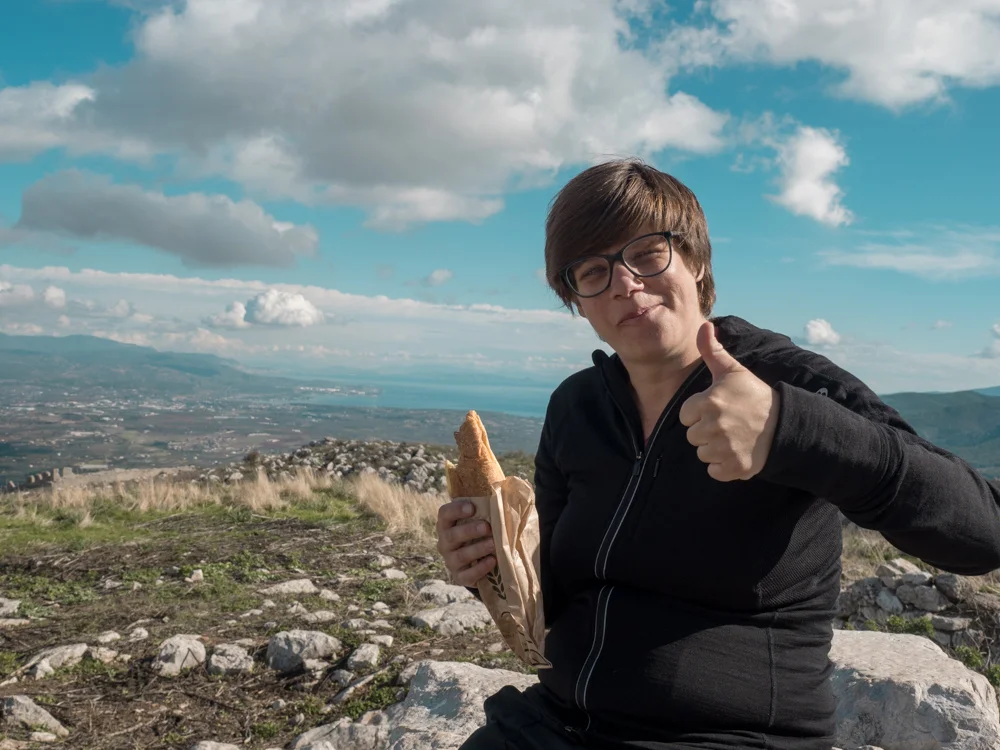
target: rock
444 704
384 561
889 602
13 622
354 624
101 654
383 624
108 636
393 574
341 677
138 634
60 657
950 624
206 745
9 607
365 656
295 608
287 650
380 607
330 596
453 619
20 709
228 658
922 597
920 578
300 586
197 576
43 737
952 586
382 640
903 691
178 653
41 670
345 735
320 615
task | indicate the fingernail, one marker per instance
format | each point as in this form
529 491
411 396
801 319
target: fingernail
490 545
467 509
481 528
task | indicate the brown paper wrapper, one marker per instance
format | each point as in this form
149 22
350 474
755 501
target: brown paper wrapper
511 591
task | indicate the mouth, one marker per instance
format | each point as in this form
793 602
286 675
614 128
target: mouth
635 314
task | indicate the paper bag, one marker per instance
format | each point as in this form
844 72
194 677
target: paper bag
511 591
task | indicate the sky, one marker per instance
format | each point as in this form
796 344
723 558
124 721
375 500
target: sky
359 187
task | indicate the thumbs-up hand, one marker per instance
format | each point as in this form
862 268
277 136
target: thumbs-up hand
732 422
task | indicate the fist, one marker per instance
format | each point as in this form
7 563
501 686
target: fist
467 548
732 422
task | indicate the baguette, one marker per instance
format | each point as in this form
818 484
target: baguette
477 470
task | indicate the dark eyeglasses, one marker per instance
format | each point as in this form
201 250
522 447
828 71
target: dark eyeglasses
645 256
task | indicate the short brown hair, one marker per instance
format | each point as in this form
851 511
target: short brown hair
607 203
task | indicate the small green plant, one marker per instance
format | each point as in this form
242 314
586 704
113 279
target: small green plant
993 675
970 657
871 625
380 693
375 589
266 730
916 626
8 663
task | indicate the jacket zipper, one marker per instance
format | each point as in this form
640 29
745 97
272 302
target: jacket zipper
600 570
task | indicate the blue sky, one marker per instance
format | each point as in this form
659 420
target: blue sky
360 187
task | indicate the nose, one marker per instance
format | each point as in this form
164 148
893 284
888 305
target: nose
623 281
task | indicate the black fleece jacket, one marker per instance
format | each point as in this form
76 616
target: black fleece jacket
685 612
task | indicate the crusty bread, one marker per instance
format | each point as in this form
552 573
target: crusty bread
477 469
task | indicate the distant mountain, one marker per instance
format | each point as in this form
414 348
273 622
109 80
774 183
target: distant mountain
989 391
89 361
966 423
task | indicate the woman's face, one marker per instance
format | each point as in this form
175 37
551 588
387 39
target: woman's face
646 319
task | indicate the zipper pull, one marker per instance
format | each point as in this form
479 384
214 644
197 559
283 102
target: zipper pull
638 463
656 467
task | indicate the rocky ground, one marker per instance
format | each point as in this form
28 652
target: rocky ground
294 627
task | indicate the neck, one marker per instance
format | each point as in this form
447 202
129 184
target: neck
655 381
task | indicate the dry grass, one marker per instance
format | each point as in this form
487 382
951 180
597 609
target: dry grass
402 509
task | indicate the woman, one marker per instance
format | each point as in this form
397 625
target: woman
688 490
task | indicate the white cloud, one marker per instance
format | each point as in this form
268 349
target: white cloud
941 324
54 297
893 53
992 350
935 253
819 332
437 108
42 116
807 161
233 317
15 294
23 329
64 321
437 277
275 307
202 230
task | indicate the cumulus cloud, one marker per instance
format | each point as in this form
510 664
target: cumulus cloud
891 53
438 108
932 252
275 307
18 328
992 351
819 332
12 295
807 161
202 230
54 297
233 317
941 324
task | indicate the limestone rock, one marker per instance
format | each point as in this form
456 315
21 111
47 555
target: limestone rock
902 691
949 584
453 619
205 745
178 653
287 650
300 586
20 709
60 657
9 607
228 658
441 594
365 656
922 597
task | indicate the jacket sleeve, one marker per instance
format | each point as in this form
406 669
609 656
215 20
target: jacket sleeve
838 441
551 496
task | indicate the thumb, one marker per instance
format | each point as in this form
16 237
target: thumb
719 361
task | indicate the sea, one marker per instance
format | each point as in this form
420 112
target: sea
517 399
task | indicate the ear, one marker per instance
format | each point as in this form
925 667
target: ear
701 275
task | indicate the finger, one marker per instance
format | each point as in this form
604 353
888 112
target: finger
467 555
699 433
690 411
719 473
717 359
709 454
454 511
474 574
463 533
